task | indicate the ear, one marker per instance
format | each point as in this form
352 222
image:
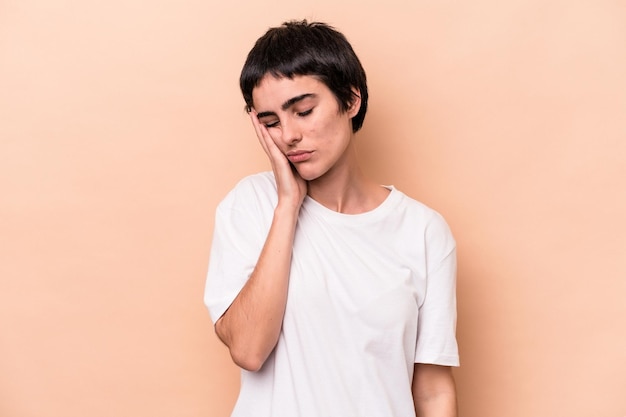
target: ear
355 105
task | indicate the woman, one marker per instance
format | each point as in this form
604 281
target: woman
335 295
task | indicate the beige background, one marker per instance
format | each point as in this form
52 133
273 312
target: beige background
122 126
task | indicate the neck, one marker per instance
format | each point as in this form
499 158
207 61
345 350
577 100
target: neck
346 189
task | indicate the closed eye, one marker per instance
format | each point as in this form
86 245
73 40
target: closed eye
275 123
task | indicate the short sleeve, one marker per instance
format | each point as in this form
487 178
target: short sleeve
436 336
238 237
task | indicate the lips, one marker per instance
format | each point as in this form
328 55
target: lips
299 156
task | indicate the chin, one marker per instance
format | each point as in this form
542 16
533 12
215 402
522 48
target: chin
309 174
309 177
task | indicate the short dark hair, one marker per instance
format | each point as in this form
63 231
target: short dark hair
303 48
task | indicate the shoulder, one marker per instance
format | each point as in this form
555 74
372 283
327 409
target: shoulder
429 221
254 189
248 208
418 210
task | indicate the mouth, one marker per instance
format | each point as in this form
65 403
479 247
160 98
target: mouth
299 156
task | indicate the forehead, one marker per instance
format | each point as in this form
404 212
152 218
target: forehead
273 91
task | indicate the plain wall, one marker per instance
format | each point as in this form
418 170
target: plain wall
122 127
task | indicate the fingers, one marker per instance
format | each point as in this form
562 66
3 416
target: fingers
261 131
290 183
266 141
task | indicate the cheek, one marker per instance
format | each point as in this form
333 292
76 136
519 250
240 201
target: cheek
325 127
335 131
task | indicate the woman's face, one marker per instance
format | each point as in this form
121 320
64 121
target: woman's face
303 118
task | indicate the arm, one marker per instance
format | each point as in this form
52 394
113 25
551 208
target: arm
251 325
434 391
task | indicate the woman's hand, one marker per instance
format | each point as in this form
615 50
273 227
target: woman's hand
251 326
291 187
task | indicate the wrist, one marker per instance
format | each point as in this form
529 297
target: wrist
287 211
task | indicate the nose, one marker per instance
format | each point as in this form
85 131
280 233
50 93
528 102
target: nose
291 135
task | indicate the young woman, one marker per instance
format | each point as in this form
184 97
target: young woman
334 294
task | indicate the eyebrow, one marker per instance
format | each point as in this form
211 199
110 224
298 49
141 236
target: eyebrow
287 104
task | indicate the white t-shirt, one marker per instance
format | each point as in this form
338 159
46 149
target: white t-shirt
369 295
